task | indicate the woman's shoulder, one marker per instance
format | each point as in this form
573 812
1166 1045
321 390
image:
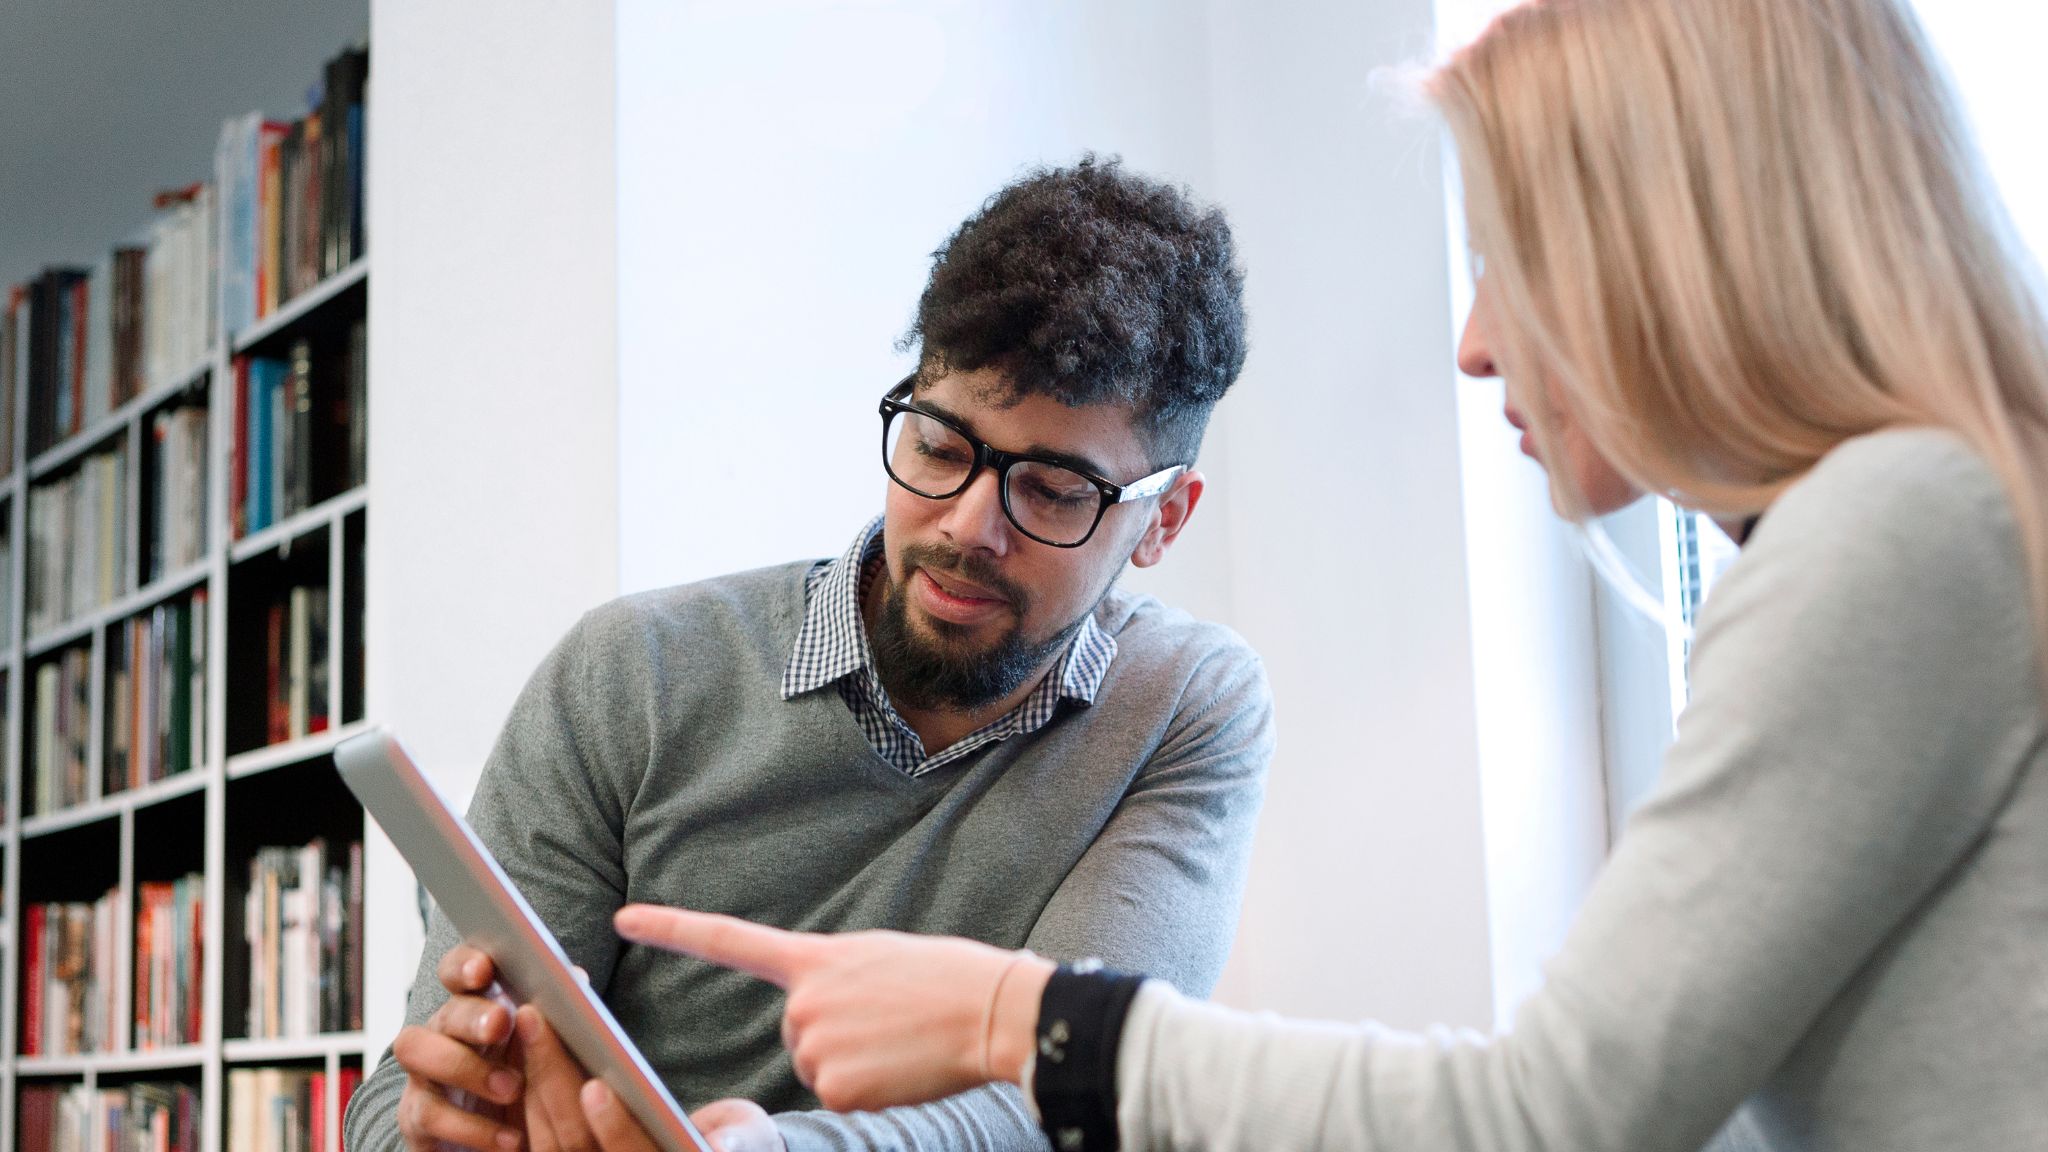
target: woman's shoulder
1901 496
1898 543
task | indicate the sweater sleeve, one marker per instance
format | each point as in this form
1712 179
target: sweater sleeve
550 807
1158 891
1866 697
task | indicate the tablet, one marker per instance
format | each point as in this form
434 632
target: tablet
491 915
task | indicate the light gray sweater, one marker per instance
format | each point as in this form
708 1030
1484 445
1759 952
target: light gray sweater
652 758
1834 907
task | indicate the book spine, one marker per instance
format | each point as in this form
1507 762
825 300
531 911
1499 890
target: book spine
299 462
35 918
238 468
79 319
354 949
178 729
298 653
277 712
197 701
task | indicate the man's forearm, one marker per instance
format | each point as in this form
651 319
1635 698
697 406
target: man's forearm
989 1119
371 1123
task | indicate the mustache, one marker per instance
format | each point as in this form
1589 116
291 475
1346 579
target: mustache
970 566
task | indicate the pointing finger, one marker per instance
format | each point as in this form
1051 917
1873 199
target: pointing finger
768 953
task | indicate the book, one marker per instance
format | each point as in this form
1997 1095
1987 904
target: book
78 545
272 1110
97 369
351 1079
68 983
48 355
358 411
266 385
302 916
129 366
241 174
59 743
238 459
34 925
297 664
178 297
175 518
296 461
168 995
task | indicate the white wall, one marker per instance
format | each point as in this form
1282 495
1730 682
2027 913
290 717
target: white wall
494 421
784 172
1347 549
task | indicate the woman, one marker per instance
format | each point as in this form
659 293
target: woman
1738 252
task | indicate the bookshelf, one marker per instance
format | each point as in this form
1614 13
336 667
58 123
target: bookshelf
173 689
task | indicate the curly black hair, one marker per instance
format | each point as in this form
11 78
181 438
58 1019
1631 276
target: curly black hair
1093 285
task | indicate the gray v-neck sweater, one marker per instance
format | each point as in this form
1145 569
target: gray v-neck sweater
652 758
1832 913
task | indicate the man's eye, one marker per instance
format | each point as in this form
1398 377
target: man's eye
942 452
1059 497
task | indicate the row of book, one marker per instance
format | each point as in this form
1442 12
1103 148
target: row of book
284 1109
174 515
139 1117
84 341
169 927
303 924
156 694
60 742
299 430
284 211
296 680
67 984
292 195
78 541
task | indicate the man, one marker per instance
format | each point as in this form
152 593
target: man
956 727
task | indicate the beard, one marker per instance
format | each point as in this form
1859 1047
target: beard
942 666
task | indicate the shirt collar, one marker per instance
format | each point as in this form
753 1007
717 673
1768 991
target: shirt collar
833 642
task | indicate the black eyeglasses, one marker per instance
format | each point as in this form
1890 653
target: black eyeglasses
1050 500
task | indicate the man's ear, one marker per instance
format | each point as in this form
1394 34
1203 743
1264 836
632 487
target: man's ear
1169 516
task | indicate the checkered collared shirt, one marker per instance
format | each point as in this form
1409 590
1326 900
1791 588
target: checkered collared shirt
832 648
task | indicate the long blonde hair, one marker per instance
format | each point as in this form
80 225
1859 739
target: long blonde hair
1738 232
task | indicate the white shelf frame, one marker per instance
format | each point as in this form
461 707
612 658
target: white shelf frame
127 424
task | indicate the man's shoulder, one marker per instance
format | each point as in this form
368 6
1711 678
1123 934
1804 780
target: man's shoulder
1154 639
763 602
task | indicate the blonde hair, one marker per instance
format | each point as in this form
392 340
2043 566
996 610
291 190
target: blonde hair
1736 233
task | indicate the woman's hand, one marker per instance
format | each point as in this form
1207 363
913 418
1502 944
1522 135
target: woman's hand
874 1019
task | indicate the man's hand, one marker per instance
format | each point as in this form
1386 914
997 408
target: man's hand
566 1111
456 1051
737 1126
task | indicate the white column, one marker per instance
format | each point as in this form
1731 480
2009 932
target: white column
493 516
1368 887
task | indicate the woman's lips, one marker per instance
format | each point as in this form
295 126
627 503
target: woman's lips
1521 424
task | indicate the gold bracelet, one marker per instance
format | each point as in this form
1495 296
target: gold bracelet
988 1024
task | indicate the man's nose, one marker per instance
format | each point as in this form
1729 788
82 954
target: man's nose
975 519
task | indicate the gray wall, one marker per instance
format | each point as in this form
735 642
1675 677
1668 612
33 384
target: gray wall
103 102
